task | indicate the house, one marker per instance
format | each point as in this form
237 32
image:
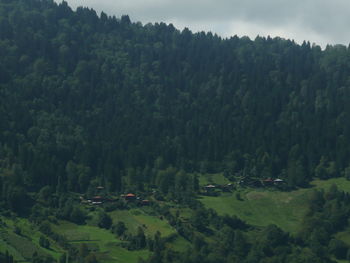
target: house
278 181
255 183
226 187
230 186
97 200
130 197
268 182
209 187
145 202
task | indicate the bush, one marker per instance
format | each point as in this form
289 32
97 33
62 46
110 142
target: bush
338 248
44 242
119 229
104 220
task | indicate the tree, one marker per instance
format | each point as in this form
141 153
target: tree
104 220
44 242
296 175
91 258
119 229
140 238
77 215
338 248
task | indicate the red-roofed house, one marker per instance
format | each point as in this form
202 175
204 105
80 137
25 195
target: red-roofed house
130 197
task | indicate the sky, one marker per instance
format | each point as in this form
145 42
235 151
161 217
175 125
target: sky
319 21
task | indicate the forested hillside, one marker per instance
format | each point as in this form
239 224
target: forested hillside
104 95
88 100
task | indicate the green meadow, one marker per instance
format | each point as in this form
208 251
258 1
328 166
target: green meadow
218 178
259 207
24 244
136 218
266 206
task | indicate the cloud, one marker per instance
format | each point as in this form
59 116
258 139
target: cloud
318 21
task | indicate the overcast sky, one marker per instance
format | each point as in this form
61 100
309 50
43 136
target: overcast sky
318 21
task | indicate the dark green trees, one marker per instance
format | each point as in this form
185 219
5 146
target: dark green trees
88 98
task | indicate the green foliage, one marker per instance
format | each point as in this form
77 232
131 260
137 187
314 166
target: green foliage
44 242
119 228
86 96
104 220
88 100
338 248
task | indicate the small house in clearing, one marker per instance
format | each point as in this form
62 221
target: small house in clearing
209 187
130 197
145 202
268 182
97 200
278 181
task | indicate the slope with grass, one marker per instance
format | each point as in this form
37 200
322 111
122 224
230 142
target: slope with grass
24 243
136 218
262 207
106 246
218 178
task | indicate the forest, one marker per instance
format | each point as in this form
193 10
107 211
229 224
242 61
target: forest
90 101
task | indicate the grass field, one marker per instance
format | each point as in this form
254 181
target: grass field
179 244
342 184
219 178
4 246
138 218
258 207
344 236
105 244
24 245
262 207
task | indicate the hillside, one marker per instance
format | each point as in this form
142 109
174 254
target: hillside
142 143
261 208
105 95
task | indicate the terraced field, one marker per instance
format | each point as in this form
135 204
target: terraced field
258 207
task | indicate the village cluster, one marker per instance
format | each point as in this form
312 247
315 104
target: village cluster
101 198
243 182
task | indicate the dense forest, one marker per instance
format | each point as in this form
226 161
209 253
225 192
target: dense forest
86 96
91 100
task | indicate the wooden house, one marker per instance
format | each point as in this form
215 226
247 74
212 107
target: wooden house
130 197
278 181
209 187
268 182
97 200
145 202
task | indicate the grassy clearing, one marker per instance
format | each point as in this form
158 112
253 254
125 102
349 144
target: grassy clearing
77 233
30 232
179 244
105 244
6 247
342 184
138 218
344 236
261 208
24 245
219 178
118 254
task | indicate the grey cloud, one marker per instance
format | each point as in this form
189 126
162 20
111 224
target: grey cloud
327 19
